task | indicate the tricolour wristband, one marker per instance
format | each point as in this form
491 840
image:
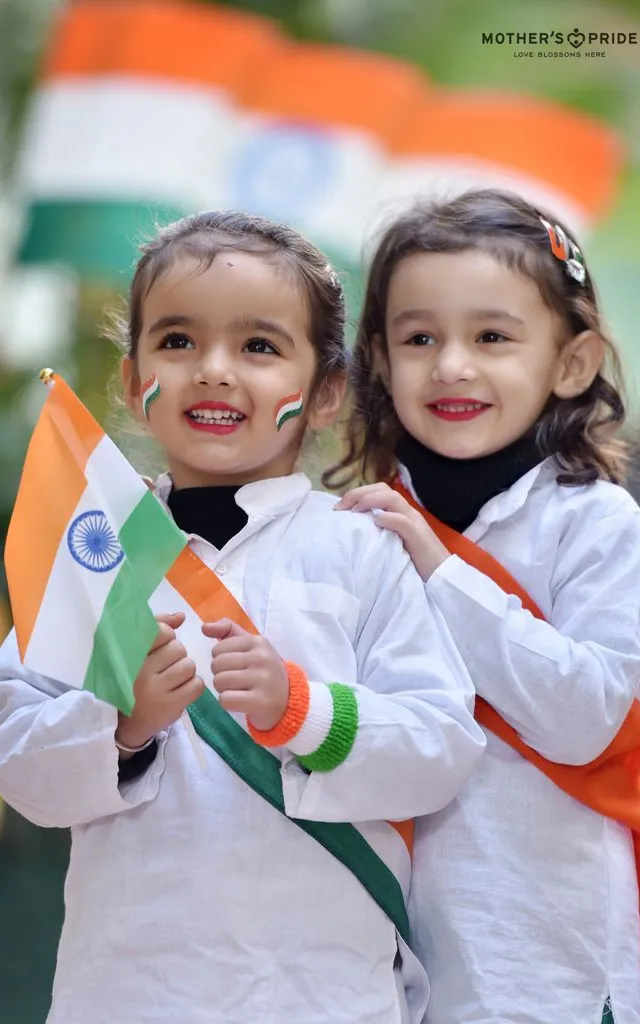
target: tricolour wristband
295 713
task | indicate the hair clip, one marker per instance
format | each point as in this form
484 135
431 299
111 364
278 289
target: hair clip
566 251
333 277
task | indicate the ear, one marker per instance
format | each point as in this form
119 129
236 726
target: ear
327 402
381 361
131 386
579 363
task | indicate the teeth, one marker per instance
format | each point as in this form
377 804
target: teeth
459 408
222 416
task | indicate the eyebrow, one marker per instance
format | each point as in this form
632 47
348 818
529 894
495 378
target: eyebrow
419 314
175 320
257 323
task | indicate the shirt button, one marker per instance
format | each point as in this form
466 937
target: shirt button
221 569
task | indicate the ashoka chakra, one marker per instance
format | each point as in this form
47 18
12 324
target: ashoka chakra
93 543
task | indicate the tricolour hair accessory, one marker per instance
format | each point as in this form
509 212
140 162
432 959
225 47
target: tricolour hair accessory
148 393
566 251
288 408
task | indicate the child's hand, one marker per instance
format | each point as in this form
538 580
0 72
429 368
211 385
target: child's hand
393 512
248 673
166 684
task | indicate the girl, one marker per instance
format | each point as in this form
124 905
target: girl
190 898
480 391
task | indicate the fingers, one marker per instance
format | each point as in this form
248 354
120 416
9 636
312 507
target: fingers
167 655
239 680
178 674
366 497
223 629
168 624
234 661
242 701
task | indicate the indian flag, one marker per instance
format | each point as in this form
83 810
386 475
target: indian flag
87 546
89 552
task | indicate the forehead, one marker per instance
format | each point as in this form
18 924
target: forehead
456 282
237 284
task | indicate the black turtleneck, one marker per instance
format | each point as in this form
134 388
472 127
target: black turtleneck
454 490
210 512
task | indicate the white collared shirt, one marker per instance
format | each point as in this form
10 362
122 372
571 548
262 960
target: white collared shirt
524 901
189 899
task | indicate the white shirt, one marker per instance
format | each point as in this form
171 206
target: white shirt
524 901
189 899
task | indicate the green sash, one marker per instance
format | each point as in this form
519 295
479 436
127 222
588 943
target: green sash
260 769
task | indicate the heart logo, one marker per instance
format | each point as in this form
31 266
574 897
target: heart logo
576 38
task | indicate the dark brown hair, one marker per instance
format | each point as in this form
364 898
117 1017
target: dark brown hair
202 236
578 431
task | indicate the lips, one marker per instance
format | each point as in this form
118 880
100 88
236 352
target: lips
214 417
457 409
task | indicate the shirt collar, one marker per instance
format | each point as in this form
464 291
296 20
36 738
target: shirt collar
269 497
504 505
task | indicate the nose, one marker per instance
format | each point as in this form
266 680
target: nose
215 367
454 362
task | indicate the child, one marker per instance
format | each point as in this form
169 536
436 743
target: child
479 378
189 897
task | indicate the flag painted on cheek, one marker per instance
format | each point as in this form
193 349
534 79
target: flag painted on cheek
148 393
288 408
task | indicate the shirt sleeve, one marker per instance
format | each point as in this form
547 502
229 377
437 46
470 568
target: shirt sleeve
58 758
403 739
565 685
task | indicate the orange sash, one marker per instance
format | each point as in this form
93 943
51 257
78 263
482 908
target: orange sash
609 785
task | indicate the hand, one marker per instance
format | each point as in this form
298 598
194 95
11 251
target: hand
166 684
248 673
393 512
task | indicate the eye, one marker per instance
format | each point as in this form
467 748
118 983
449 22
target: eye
491 337
260 346
421 339
173 341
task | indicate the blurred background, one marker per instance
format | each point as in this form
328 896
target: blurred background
116 115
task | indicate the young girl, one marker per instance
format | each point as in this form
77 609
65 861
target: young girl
190 898
480 391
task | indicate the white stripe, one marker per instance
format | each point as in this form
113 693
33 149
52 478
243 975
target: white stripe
317 724
124 138
290 407
320 179
433 178
62 640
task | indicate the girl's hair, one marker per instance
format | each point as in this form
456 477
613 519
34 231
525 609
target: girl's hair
577 431
202 236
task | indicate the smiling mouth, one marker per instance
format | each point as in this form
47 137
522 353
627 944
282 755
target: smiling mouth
215 417
457 410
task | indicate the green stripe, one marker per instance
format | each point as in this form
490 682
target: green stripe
344 726
151 542
261 770
98 239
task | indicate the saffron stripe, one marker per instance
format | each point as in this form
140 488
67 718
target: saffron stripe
37 526
342 734
204 592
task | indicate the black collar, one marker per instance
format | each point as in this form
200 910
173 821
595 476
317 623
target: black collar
209 512
454 490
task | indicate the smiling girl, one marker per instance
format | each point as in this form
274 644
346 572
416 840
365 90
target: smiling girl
191 898
485 393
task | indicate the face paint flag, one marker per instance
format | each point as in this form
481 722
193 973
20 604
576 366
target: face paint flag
288 408
148 393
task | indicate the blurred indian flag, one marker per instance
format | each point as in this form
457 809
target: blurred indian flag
151 109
